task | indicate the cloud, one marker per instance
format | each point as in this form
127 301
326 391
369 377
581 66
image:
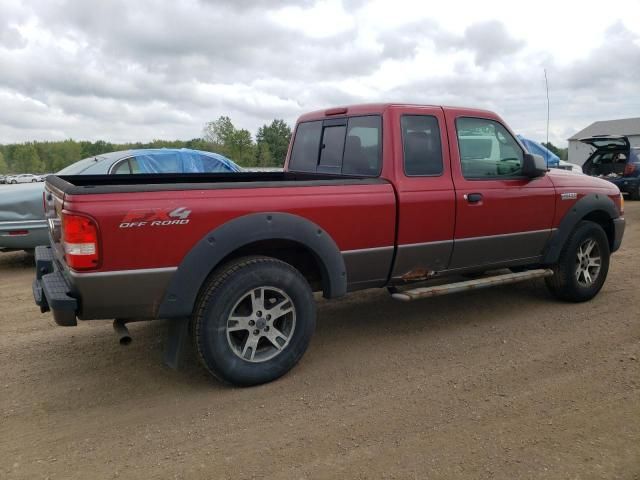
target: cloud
490 42
122 70
11 38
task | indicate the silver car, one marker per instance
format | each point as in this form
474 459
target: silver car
22 223
22 178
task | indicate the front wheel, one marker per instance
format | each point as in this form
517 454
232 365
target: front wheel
254 321
583 264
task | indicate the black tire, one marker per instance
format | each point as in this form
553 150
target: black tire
227 291
635 194
565 283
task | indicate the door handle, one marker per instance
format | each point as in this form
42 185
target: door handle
473 197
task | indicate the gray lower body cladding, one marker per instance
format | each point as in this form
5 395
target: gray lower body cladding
618 232
370 267
494 249
130 294
367 268
121 294
138 294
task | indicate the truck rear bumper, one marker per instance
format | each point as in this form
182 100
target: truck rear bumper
51 290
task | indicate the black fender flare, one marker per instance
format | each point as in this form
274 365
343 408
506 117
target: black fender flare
589 203
181 294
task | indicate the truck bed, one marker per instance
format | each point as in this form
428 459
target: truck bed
138 257
84 184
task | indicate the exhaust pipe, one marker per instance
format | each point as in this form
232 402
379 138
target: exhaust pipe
122 332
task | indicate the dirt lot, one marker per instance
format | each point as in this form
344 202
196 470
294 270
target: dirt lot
502 383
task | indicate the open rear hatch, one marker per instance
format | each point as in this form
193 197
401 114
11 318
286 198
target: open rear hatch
607 142
609 159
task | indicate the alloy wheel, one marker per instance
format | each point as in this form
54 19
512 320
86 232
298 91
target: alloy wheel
261 324
588 262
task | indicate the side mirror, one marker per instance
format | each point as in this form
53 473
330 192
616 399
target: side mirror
533 166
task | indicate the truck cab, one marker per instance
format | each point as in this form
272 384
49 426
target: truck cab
465 198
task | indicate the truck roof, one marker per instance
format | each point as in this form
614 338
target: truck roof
379 108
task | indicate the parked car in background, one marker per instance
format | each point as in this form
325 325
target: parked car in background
571 167
536 148
613 159
23 178
3 179
42 177
553 161
22 222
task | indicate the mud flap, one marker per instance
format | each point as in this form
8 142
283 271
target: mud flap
176 344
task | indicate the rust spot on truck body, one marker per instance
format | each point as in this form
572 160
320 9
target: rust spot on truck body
417 274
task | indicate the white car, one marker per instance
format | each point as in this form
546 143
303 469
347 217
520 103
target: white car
23 178
572 167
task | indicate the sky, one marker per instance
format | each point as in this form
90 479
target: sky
122 70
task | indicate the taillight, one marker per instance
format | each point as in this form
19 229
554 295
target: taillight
629 168
80 241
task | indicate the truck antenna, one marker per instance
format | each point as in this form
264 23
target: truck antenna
546 82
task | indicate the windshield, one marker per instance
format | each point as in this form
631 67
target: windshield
78 167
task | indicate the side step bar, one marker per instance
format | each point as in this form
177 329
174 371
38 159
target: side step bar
503 279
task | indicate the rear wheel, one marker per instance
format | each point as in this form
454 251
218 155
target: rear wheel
583 264
254 321
635 193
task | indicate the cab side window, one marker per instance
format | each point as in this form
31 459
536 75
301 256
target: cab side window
487 149
421 145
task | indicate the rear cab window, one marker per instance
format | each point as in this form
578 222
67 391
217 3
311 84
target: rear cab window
348 146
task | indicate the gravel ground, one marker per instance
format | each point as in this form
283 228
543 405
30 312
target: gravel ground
502 383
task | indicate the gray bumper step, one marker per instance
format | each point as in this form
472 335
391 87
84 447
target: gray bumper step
502 279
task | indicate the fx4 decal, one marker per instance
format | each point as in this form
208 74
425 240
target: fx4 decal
568 196
156 217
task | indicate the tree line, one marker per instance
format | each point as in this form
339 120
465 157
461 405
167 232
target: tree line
562 153
269 148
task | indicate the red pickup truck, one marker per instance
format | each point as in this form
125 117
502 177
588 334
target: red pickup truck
371 196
